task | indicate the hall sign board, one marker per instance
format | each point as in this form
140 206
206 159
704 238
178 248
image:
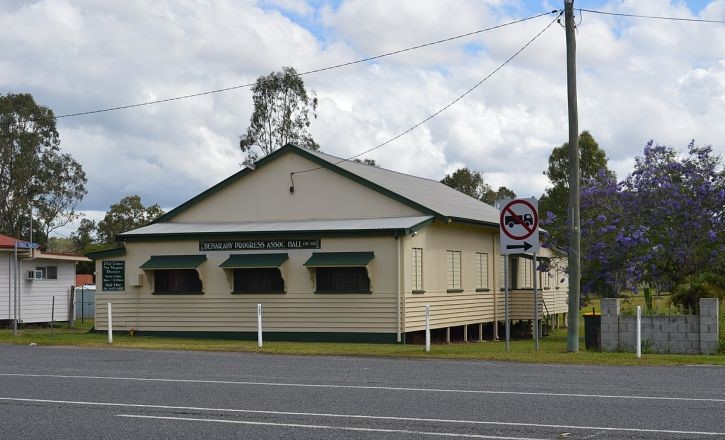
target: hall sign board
258 245
113 275
519 226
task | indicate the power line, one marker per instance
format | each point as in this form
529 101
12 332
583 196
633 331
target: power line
322 69
444 108
656 17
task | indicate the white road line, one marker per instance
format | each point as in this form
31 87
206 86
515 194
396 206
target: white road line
366 387
337 428
355 416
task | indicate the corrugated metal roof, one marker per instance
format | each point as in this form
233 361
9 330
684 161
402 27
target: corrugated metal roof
7 241
362 224
430 193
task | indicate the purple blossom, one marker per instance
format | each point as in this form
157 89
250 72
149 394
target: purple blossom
665 221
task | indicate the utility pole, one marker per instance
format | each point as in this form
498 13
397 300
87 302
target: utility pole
572 336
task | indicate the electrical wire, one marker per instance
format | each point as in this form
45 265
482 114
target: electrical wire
445 107
309 72
656 17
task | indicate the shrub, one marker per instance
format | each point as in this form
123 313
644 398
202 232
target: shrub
704 285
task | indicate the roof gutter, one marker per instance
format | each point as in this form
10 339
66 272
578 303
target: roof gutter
467 221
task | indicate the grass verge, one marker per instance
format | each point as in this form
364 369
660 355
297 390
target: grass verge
553 348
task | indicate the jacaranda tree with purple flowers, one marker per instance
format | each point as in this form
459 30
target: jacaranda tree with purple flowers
664 223
682 202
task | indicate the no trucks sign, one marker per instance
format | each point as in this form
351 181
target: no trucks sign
519 226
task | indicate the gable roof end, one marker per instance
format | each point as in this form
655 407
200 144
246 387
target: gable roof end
425 195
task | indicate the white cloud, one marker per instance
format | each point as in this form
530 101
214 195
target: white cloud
637 79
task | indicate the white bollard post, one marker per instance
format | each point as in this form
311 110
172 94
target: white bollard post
639 332
259 325
427 327
110 325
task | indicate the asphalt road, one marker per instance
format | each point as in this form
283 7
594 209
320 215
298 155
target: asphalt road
57 393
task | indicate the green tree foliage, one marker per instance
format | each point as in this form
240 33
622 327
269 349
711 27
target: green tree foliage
494 198
703 285
555 199
664 225
34 174
471 183
60 244
127 214
370 162
84 235
282 109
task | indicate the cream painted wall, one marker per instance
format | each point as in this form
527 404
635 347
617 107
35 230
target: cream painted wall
321 194
449 308
302 310
469 306
219 310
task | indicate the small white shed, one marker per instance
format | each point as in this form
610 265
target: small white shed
41 281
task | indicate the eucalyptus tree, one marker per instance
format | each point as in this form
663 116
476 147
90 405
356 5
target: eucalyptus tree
39 185
282 110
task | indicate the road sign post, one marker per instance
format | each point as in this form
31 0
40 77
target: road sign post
519 232
506 269
16 286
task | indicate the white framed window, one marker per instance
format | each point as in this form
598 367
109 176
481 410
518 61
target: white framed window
416 258
501 270
48 272
480 267
453 270
526 278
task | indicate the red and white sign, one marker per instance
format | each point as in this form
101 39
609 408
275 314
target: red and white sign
519 226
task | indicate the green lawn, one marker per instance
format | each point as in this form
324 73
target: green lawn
553 348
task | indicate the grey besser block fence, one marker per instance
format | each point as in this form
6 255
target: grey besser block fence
690 334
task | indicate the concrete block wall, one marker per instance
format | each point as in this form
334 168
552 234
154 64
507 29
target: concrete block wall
610 323
689 334
709 325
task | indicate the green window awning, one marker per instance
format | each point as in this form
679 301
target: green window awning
254 260
345 259
174 262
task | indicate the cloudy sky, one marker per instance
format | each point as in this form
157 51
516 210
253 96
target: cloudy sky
638 79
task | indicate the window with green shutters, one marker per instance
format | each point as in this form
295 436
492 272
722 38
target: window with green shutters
417 269
480 266
453 270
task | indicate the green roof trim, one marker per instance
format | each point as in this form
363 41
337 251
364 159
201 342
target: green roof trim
174 262
300 151
254 260
342 259
106 253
